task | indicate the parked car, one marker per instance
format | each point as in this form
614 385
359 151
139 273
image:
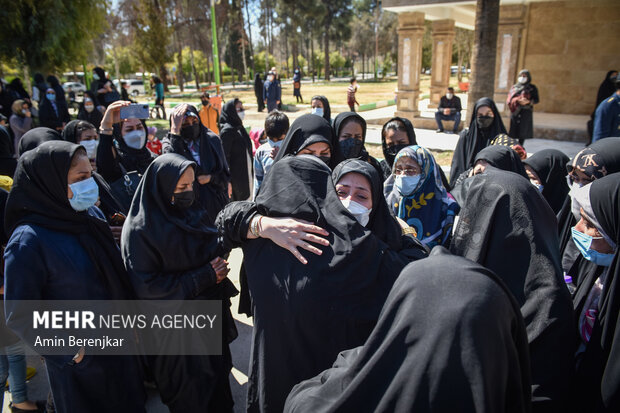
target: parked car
136 86
76 87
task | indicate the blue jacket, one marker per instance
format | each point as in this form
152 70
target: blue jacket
271 91
607 118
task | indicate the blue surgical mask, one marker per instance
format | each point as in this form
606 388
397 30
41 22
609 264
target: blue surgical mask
538 186
406 185
317 111
135 139
275 144
583 243
51 96
95 76
85 194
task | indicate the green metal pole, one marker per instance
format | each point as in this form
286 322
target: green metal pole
86 76
216 59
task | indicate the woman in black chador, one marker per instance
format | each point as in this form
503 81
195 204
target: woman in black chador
171 251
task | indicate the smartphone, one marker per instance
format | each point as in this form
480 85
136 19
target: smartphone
135 111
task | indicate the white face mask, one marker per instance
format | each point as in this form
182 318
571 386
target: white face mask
241 114
360 212
449 95
91 148
135 139
89 107
523 79
317 111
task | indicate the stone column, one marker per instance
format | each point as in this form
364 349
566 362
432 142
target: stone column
410 34
509 38
443 38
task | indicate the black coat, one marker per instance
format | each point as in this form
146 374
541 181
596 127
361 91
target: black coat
507 226
449 333
238 149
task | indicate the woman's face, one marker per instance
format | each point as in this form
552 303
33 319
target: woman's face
407 166
485 111
580 178
317 149
531 173
355 187
239 106
396 137
80 170
88 135
131 125
586 226
25 106
317 104
480 167
351 129
185 182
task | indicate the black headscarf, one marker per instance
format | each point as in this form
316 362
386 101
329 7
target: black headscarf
17 87
35 137
229 115
258 85
132 159
60 92
502 157
550 166
327 112
7 160
448 335
212 158
389 156
39 82
70 132
39 197
606 89
507 226
342 119
306 314
305 131
381 222
474 139
95 116
596 161
597 386
156 235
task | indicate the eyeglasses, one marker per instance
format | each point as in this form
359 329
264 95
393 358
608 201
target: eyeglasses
407 171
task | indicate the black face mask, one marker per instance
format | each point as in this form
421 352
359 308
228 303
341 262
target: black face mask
325 159
351 147
184 200
484 121
191 132
205 102
391 151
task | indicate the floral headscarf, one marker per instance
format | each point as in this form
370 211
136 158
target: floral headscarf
430 209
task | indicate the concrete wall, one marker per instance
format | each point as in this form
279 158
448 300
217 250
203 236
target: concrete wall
569 48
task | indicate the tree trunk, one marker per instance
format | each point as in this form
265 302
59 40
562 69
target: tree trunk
327 68
163 74
116 63
195 72
312 56
179 72
247 12
485 48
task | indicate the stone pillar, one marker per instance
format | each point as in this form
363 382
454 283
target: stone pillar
443 38
410 34
509 39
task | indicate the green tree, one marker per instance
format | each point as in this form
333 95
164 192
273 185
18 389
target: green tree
259 61
336 61
50 35
153 34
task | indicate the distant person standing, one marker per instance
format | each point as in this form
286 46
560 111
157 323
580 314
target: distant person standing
103 88
125 93
297 86
209 116
607 116
521 100
271 92
449 109
158 86
258 91
605 90
351 90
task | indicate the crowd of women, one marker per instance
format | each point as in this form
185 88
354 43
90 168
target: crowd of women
374 285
